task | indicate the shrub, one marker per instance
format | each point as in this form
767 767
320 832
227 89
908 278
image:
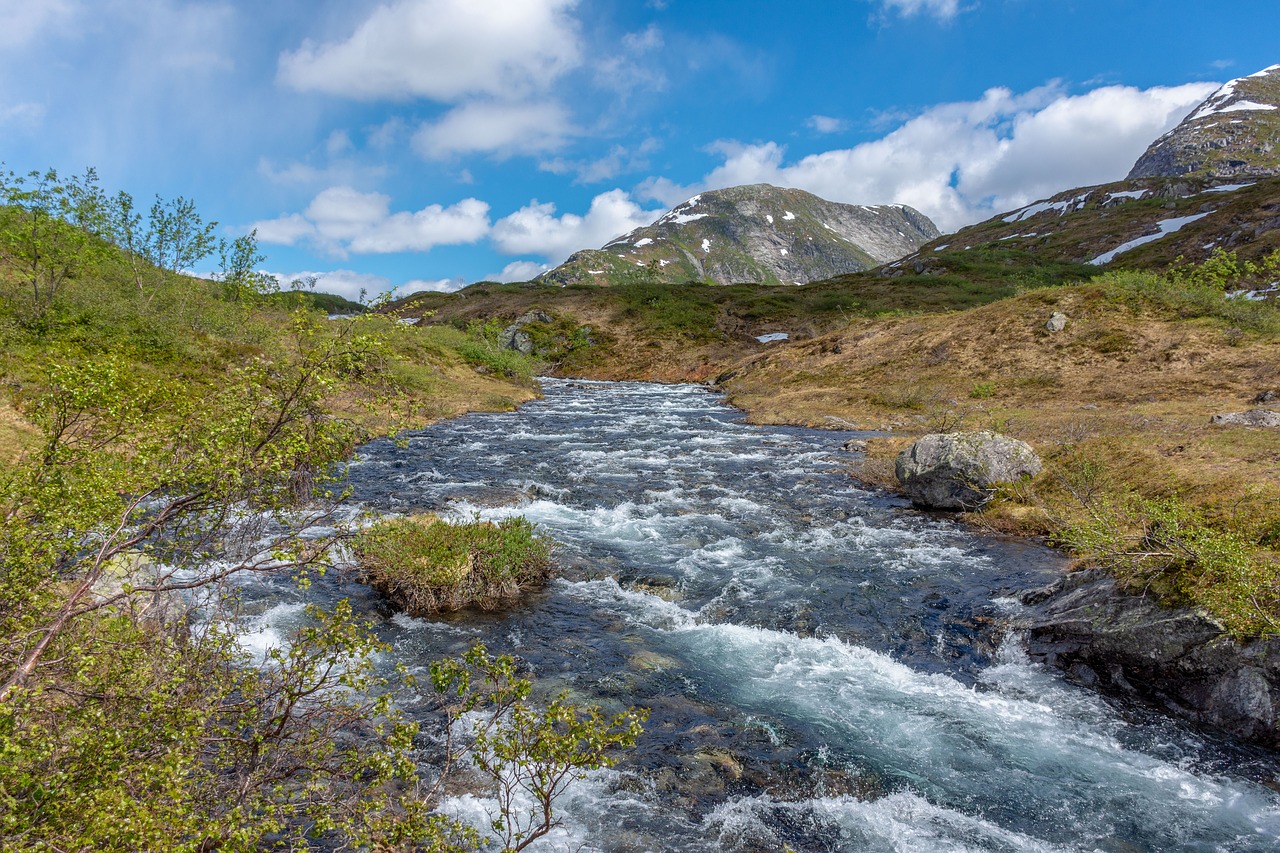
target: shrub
425 565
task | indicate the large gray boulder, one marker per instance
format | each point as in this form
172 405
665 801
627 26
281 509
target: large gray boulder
959 470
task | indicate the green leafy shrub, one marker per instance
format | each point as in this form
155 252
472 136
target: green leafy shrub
484 348
425 565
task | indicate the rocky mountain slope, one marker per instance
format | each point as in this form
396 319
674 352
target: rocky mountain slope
1146 223
759 233
1235 133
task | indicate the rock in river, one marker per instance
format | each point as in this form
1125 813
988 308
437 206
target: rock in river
958 470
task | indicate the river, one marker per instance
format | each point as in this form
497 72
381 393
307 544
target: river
824 665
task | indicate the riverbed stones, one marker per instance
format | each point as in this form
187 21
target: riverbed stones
959 470
1252 418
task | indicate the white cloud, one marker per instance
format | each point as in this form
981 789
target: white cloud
619 160
355 285
942 9
496 128
341 220
962 162
443 50
23 21
825 124
24 115
535 229
519 271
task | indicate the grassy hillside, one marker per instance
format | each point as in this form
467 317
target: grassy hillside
1118 403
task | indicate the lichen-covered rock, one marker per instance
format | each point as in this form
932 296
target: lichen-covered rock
959 470
1251 418
1179 659
1057 322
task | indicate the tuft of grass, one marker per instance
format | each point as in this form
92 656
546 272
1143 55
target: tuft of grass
425 565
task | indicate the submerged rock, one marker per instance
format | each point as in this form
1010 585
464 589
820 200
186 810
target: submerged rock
1177 658
959 470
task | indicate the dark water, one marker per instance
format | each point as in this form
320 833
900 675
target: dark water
823 664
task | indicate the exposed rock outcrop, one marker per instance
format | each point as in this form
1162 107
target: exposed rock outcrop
959 470
758 233
1235 133
1178 659
1251 418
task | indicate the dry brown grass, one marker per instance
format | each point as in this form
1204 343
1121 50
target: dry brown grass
1124 387
16 433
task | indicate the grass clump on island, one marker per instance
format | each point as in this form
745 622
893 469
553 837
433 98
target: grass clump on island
425 565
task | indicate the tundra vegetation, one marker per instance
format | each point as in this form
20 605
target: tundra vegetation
163 434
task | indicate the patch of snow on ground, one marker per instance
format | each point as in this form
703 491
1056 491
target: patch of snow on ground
644 242
773 336
1264 72
706 246
1228 188
784 252
682 218
595 272
788 216
1246 106
1040 207
1126 194
769 217
1166 226
940 248
662 262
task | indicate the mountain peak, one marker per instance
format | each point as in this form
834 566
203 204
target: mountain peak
753 233
1233 133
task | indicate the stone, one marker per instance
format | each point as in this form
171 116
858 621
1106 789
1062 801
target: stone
1057 322
855 445
1265 397
1251 418
516 338
1176 658
958 471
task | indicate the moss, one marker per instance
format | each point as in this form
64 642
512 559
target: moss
425 565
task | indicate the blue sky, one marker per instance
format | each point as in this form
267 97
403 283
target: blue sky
428 143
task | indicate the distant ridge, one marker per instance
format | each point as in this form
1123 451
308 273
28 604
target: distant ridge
757 233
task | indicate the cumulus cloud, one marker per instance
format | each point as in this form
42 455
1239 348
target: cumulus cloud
535 229
519 271
825 124
495 128
357 285
943 10
962 162
443 50
342 220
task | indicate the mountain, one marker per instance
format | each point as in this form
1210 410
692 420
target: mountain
756 233
1145 223
1235 133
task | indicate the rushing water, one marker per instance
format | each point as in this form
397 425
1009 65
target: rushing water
821 661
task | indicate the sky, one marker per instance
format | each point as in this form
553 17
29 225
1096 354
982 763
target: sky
426 144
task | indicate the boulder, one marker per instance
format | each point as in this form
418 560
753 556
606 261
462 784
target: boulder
855 445
1057 322
516 338
1176 658
1252 418
959 470
1265 397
